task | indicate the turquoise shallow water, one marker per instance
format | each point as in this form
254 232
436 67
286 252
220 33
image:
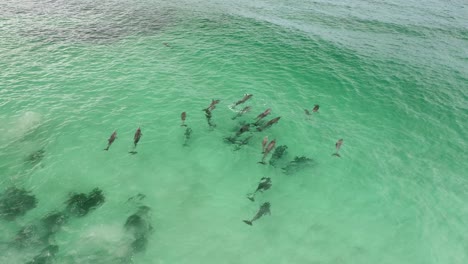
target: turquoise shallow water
390 78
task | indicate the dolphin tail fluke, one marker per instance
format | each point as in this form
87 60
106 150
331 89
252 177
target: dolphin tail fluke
251 197
107 148
133 152
247 222
336 154
262 162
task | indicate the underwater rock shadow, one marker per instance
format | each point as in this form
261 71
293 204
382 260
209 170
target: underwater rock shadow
298 164
15 202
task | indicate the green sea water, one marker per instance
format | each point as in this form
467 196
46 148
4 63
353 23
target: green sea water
390 78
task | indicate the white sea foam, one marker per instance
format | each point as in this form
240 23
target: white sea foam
16 128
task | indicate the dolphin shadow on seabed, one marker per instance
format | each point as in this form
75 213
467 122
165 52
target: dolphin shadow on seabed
188 135
208 112
208 116
238 142
240 138
298 164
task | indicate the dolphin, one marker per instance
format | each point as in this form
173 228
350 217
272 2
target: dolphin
316 108
212 105
262 115
264 143
307 112
111 140
243 111
136 138
245 98
183 116
270 146
265 184
338 146
269 123
243 129
264 209
242 142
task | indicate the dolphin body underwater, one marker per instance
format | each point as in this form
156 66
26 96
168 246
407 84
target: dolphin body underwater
264 209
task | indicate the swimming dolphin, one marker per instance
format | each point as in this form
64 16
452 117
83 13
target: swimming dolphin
269 123
262 115
183 116
264 209
245 98
243 129
264 143
316 108
111 140
242 142
307 112
270 146
243 111
265 184
136 138
338 146
212 105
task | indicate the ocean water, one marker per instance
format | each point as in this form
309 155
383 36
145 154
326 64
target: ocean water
391 79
